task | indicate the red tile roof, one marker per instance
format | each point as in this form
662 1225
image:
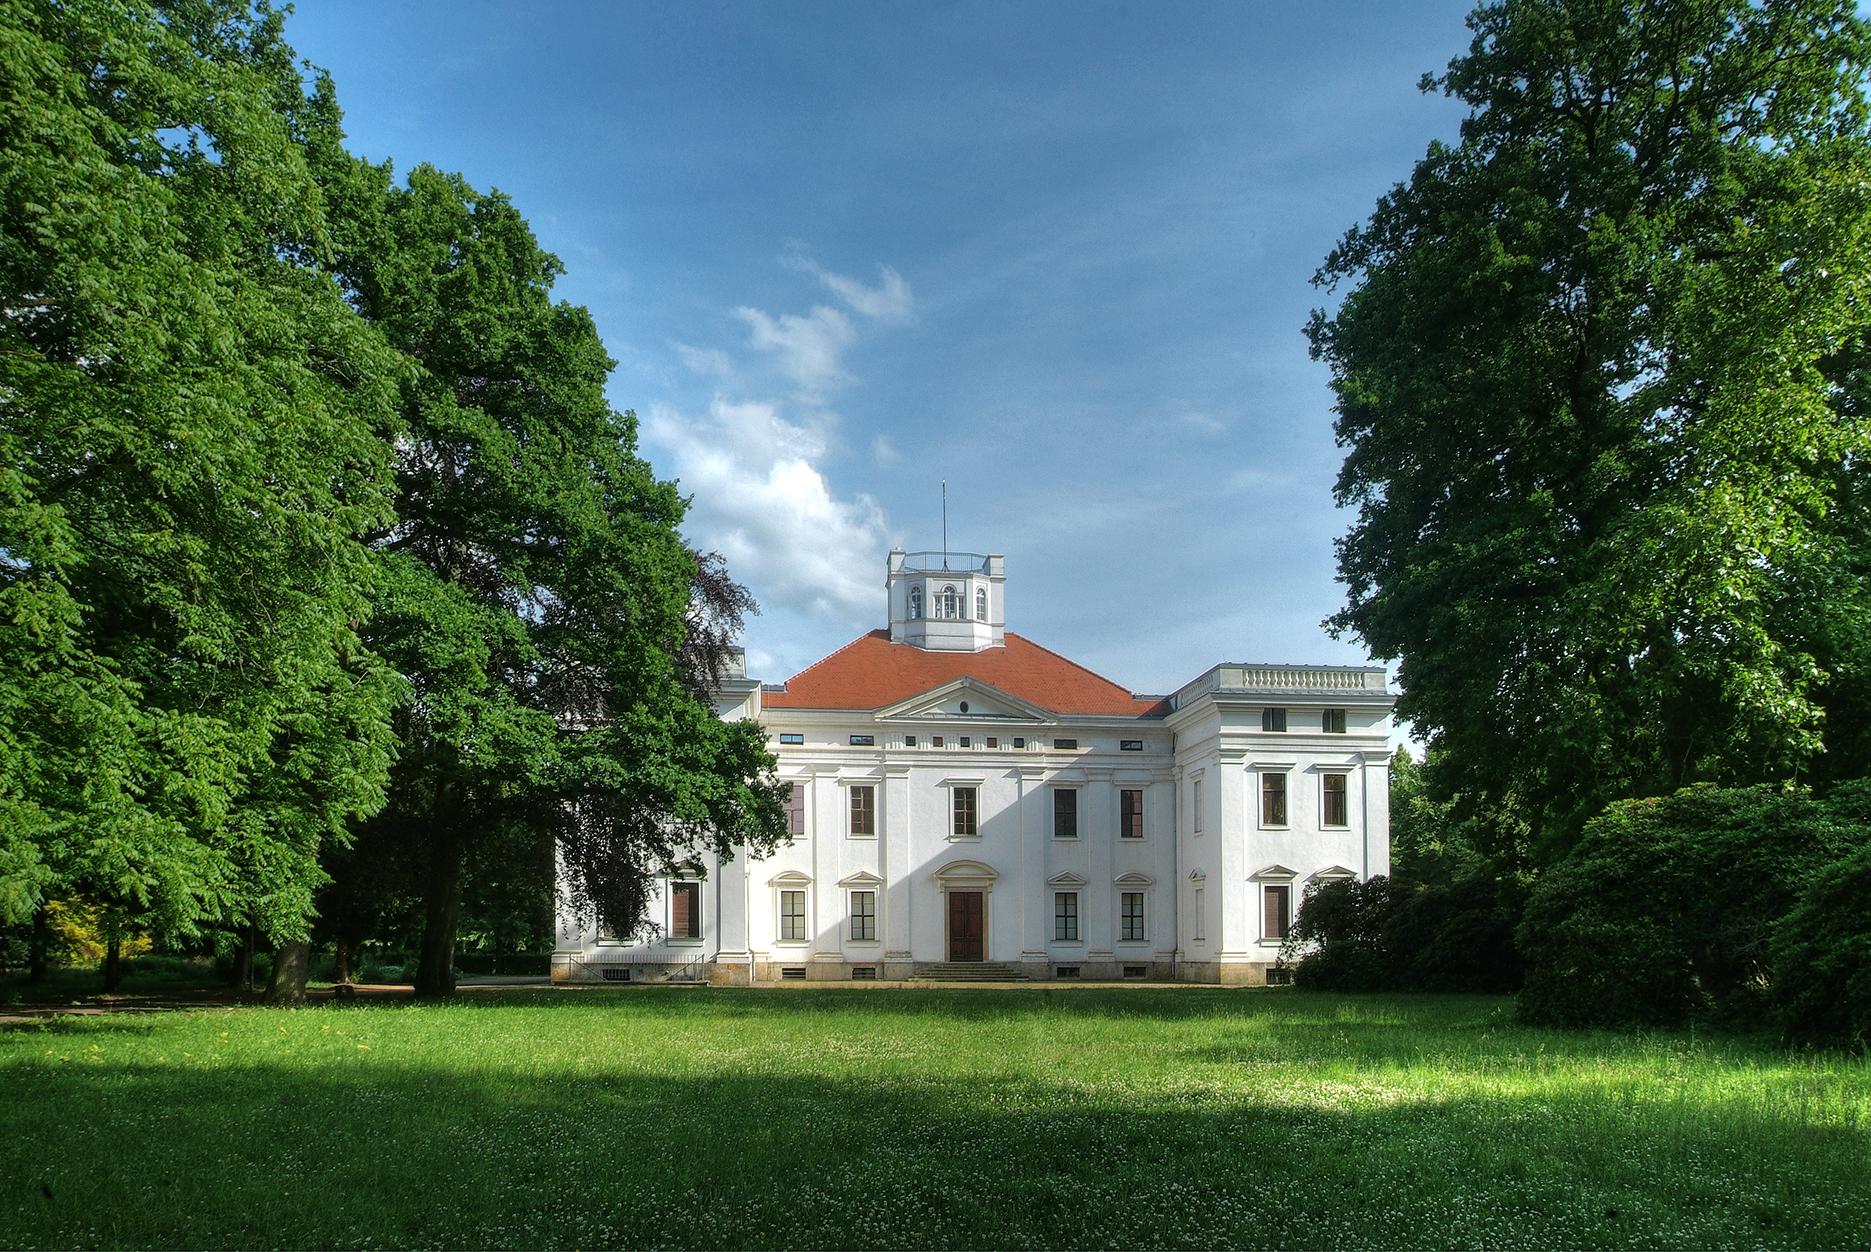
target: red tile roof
870 672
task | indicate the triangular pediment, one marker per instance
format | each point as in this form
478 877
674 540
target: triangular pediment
1337 871
985 703
1067 879
863 880
1276 873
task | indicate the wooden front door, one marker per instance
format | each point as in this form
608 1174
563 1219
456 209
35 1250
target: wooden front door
964 926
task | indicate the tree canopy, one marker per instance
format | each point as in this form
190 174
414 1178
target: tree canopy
1598 375
314 517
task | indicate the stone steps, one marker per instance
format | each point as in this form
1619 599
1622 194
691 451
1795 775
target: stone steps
968 971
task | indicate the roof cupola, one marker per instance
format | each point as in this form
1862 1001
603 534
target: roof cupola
947 601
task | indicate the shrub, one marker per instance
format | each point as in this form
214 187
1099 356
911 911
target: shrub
1822 957
1664 910
1387 934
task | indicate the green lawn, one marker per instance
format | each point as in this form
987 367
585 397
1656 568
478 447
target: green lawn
877 1117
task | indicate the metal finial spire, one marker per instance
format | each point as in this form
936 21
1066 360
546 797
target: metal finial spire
945 523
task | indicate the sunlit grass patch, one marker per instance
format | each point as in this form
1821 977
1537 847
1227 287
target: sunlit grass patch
840 1118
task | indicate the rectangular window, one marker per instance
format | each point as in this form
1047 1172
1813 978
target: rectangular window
1065 743
1278 909
1130 814
792 738
935 741
1337 812
1065 916
1064 813
796 810
1199 919
1131 913
965 742
992 742
1273 799
792 915
1195 805
1273 719
909 741
685 910
1334 721
1019 742
863 810
1130 745
863 914
863 741
963 803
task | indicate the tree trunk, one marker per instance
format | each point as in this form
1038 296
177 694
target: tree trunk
435 964
341 961
39 958
113 966
243 961
292 965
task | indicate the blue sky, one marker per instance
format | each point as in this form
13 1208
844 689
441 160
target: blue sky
1057 254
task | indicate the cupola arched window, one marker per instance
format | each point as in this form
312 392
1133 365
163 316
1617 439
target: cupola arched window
951 605
980 604
916 602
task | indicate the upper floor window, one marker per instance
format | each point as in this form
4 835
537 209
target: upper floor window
1272 799
1064 813
1130 814
980 604
1273 719
1195 807
863 810
916 602
1334 722
796 810
951 603
1335 811
792 738
962 802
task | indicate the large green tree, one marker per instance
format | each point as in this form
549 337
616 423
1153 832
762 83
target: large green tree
557 634
193 429
1597 372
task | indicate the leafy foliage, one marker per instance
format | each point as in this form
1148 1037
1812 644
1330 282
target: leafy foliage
1667 908
1390 934
191 421
1822 957
1598 375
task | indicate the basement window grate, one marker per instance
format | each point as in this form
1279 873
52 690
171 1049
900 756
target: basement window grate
616 975
863 973
1278 977
792 971
1065 971
1136 971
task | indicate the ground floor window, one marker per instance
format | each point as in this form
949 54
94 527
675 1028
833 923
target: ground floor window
792 915
1065 915
863 914
1131 913
685 910
1278 905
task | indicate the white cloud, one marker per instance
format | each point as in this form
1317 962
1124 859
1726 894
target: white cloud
1202 422
885 452
705 360
808 347
762 504
889 301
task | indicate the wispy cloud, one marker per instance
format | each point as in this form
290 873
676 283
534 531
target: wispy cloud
889 301
761 502
705 360
1202 422
807 348
884 452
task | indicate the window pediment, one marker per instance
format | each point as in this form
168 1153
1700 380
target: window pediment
1067 879
1328 875
791 878
1134 880
863 880
1274 873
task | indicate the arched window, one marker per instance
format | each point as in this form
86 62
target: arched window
916 602
980 604
951 606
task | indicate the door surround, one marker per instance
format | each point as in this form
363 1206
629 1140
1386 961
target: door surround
972 876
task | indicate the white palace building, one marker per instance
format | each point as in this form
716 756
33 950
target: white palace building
966 802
